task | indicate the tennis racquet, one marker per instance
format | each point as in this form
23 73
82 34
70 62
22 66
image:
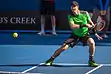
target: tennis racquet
99 26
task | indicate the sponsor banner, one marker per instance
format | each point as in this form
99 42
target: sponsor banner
17 20
31 21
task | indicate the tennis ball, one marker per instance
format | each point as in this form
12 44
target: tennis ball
15 35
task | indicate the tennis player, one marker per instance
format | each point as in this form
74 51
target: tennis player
80 23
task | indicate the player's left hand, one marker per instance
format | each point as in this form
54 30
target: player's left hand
99 37
90 26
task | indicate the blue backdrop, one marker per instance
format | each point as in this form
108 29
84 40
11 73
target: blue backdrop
16 5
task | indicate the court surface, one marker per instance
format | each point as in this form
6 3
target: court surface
25 53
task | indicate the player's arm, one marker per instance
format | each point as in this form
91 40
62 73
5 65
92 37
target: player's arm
93 28
96 34
89 20
91 23
72 24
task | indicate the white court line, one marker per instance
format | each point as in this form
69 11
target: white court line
31 68
89 72
65 64
4 72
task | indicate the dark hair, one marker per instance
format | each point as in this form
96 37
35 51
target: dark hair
74 3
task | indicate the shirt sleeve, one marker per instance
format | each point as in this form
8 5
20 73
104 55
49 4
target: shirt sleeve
88 17
70 18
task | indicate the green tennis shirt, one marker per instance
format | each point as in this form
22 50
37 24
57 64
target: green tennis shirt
80 19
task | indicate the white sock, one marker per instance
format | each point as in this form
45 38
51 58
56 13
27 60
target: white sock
42 27
53 28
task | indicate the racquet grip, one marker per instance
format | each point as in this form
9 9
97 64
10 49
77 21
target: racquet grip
81 26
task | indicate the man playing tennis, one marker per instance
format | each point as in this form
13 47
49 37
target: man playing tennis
80 23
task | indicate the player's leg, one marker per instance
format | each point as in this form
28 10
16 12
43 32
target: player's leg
53 20
96 13
91 44
105 28
70 42
51 10
103 15
42 32
56 54
107 22
42 18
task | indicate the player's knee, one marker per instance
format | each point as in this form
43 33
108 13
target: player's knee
91 42
65 47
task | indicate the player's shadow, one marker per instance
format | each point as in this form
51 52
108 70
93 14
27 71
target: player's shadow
56 65
53 65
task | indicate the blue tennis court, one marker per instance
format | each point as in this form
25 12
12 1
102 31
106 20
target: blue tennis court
25 53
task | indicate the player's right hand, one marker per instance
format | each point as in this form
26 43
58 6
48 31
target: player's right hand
89 26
